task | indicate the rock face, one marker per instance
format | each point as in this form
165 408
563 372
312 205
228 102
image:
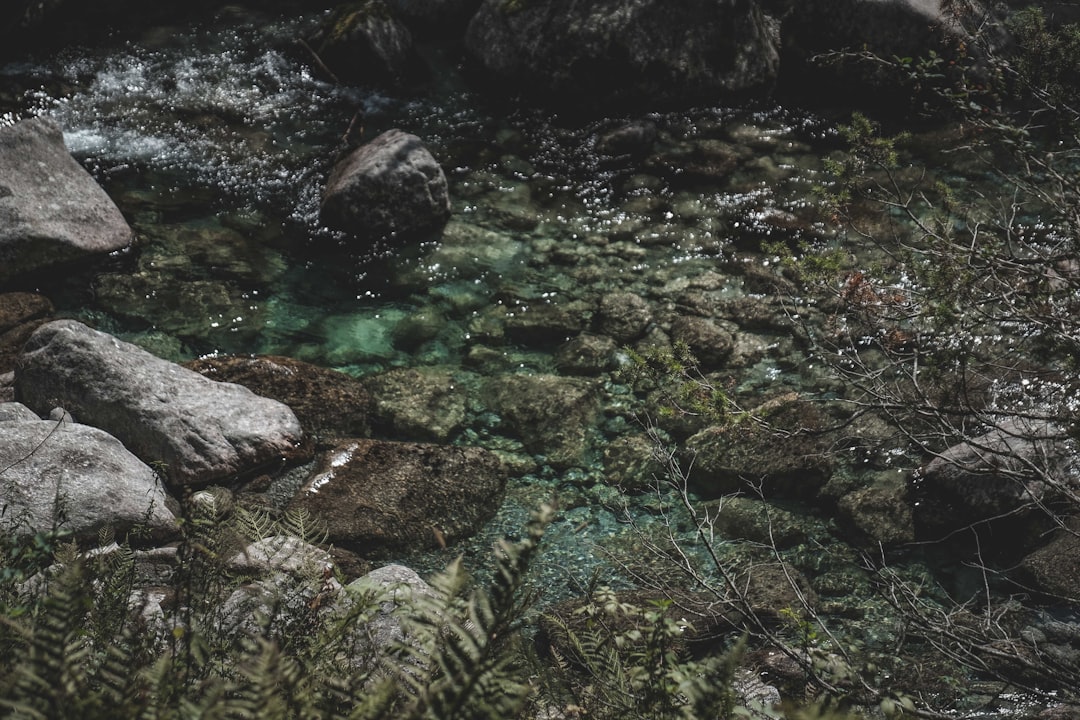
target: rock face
78 477
389 187
199 429
51 210
378 497
612 50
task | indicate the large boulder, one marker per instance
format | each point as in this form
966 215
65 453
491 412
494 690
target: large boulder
613 50
51 210
378 497
329 404
198 430
389 187
75 478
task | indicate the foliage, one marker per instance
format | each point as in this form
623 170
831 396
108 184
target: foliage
626 661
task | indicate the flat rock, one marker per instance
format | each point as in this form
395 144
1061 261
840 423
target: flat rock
51 210
378 497
196 429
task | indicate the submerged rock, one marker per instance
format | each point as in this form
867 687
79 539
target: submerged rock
378 497
788 454
418 404
51 210
389 187
75 478
551 415
197 429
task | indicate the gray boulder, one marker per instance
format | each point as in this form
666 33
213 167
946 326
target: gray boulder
612 50
51 210
378 497
389 187
76 478
197 429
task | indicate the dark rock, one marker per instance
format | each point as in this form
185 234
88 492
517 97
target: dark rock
329 404
1013 466
710 344
380 497
586 355
611 51
633 138
51 210
75 478
1054 569
623 316
630 464
788 455
365 42
880 512
551 415
542 325
389 187
746 518
197 429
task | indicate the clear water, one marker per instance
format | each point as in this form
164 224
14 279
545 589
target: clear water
216 143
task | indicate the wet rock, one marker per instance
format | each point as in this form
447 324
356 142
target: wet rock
630 465
705 160
623 316
710 343
20 314
51 210
880 512
790 455
329 404
75 478
181 306
197 429
363 42
1002 471
609 51
1054 569
551 415
418 403
538 324
586 355
746 518
389 187
379 497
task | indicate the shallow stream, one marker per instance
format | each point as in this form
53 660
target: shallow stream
216 142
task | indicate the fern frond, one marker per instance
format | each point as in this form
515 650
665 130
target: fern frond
462 667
